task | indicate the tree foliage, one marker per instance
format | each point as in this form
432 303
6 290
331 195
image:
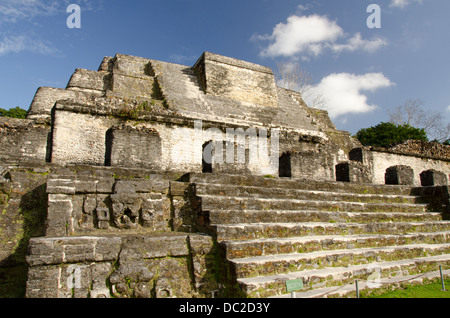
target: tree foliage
16 112
387 134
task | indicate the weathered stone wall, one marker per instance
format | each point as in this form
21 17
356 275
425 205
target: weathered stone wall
240 94
132 78
79 138
379 161
122 266
95 82
237 80
85 231
46 97
23 202
310 157
23 140
79 203
420 148
133 147
108 136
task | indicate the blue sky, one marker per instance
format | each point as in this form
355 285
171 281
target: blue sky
363 72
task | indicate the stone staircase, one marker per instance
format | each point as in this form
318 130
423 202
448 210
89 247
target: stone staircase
326 233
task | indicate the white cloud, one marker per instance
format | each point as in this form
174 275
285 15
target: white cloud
356 43
448 108
300 34
343 92
16 44
402 3
310 36
12 11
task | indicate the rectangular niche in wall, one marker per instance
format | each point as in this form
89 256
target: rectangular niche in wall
128 146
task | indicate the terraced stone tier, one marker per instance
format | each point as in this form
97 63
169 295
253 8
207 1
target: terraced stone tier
286 263
301 194
326 233
307 244
272 285
287 183
210 202
247 231
294 216
369 287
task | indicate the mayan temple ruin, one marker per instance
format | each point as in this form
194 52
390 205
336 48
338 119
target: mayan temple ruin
151 179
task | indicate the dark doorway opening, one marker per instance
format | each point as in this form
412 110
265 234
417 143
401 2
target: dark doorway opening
284 168
207 154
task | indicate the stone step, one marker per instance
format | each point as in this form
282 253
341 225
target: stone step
297 216
293 262
307 244
300 194
370 286
305 184
247 231
214 202
273 285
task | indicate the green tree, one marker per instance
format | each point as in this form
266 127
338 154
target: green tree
387 134
16 112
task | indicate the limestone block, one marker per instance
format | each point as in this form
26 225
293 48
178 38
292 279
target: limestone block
59 215
142 146
401 175
103 218
59 185
79 137
107 248
352 172
21 140
173 280
42 282
201 244
44 252
46 97
105 184
154 247
53 251
107 64
79 251
87 79
143 185
85 185
100 271
131 65
238 80
433 178
132 87
124 186
178 188
203 257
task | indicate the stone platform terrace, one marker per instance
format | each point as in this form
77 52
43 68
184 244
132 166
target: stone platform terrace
326 233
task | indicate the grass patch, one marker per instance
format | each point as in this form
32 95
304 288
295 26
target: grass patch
431 290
